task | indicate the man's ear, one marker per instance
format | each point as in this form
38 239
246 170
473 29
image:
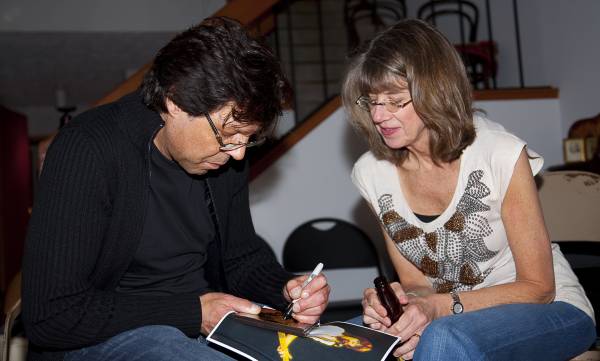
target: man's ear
172 107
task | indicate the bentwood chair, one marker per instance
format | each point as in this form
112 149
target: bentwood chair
13 346
365 18
571 204
478 56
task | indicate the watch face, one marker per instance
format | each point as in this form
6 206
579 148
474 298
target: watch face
457 308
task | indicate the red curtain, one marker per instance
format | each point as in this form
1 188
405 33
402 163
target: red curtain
15 191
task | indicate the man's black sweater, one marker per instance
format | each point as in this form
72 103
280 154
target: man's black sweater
87 222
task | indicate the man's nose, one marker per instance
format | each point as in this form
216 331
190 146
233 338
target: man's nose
237 154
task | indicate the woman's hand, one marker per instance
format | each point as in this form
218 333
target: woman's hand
418 314
374 314
407 350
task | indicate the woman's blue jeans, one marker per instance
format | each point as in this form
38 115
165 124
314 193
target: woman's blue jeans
149 343
555 331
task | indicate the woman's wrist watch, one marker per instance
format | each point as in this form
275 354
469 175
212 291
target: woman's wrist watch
457 306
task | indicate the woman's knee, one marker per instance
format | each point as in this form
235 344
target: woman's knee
441 329
443 339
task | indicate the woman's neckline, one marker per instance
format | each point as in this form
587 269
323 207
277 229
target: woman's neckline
445 215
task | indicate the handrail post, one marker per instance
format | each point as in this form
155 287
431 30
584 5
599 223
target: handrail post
288 6
518 38
491 47
322 49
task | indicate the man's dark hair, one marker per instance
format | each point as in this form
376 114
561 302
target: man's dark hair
213 63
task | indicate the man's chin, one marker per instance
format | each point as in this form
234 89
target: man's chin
195 170
200 168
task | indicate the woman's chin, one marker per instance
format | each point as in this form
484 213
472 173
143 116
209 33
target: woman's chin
394 143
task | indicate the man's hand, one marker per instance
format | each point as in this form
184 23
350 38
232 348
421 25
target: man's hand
312 299
215 305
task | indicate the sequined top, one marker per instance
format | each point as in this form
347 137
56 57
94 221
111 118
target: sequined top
466 247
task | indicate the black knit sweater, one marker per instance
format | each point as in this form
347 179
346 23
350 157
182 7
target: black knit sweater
86 225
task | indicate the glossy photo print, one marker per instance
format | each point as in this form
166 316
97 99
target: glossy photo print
329 342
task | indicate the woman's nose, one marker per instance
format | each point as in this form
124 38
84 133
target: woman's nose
379 113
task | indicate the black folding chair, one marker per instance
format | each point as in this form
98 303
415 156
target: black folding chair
350 259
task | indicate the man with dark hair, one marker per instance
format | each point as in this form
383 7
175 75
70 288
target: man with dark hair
141 237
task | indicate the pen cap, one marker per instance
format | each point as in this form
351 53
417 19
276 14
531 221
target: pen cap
388 298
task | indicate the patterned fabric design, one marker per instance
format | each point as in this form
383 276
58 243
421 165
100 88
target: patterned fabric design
450 254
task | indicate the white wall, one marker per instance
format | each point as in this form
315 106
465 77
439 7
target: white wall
561 49
106 15
536 121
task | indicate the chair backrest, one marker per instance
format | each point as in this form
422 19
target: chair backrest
571 204
463 10
335 242
350 257
365 18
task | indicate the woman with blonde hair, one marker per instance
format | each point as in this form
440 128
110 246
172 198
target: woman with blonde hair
458 205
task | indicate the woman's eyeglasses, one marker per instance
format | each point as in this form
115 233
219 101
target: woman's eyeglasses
391 106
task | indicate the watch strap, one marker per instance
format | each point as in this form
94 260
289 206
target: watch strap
457 306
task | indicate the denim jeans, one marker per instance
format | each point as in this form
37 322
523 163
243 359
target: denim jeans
149 343
555 331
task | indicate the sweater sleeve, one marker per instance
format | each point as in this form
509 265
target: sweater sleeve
62 307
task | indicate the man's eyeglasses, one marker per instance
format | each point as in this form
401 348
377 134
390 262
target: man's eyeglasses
226 147
391 106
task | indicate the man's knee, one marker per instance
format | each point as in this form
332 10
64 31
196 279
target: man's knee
156 332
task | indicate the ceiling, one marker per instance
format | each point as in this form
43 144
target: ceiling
85 65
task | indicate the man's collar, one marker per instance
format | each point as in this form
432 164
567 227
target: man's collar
139 122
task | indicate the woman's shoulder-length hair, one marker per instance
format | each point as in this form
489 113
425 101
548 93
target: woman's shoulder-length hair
414 55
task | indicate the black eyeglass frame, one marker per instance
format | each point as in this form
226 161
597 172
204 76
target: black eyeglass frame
226 147
365 103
